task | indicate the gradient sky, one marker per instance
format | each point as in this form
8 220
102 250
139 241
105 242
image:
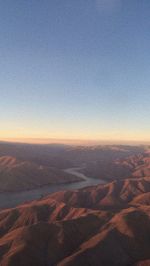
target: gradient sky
75 69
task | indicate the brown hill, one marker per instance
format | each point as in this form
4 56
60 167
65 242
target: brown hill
18 175
103 225
44 232
123 241
137 165
115 194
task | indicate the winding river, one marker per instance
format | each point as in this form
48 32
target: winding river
11 199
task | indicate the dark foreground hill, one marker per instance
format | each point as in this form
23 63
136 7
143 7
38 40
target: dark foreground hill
97 226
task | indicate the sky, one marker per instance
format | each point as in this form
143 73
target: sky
77 70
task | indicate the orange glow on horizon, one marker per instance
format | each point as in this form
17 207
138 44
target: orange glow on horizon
89 138
75 141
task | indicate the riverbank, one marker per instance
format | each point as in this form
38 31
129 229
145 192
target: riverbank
12 199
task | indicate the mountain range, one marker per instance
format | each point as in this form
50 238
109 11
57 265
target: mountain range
102 225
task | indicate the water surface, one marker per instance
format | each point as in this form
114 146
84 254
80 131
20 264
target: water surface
11 199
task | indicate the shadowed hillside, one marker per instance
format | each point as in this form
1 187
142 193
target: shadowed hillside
79 228
18 175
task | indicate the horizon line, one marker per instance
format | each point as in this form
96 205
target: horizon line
75 141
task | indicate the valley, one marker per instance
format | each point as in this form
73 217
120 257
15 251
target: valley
11 199
80 227
30 172
55 215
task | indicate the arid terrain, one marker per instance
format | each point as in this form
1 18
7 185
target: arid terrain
102 225
18 175
26 166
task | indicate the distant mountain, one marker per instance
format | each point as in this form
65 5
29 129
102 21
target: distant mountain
60 155
28 166
24 150
132 165
96 226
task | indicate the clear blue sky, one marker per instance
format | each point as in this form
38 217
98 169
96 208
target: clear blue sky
75 69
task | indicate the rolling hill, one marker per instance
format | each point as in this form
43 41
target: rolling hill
81 227
18 175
